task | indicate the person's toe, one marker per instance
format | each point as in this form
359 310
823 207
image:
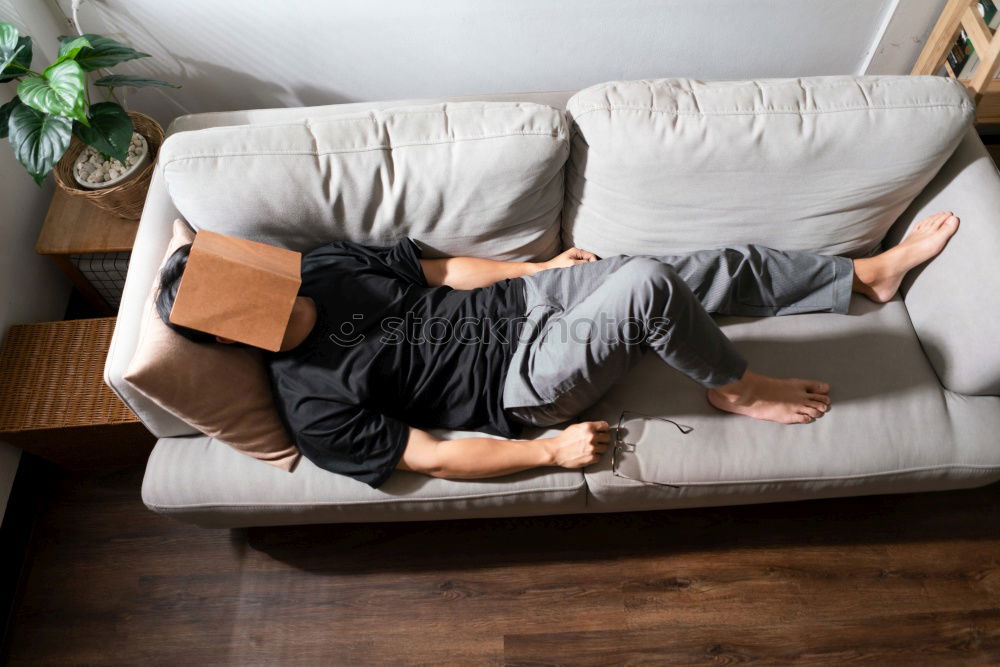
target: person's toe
822 398
822 407
817 387
800 418
811 411
935 221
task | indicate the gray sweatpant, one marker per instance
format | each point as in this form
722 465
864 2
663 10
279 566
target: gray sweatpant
588 324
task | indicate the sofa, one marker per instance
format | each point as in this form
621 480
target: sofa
832 164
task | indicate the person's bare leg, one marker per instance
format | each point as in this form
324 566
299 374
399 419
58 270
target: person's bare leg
784 400
879 277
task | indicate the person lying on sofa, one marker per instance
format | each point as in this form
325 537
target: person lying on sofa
382 344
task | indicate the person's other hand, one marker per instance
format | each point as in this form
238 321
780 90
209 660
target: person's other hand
580 445
569 257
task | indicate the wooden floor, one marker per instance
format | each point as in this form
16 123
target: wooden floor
904 579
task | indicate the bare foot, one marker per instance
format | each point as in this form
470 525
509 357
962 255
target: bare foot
784 400
878 277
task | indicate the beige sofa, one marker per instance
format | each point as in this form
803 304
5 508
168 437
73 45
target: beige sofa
668 165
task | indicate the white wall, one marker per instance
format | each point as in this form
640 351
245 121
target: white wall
903 35
234 54
31 288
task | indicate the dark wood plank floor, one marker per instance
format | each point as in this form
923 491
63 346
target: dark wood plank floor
903 579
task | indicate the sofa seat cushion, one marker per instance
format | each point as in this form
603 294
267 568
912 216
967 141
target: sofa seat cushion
891 426
201 480
822 163
462 178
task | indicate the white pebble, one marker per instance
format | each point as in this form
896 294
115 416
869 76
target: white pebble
92 169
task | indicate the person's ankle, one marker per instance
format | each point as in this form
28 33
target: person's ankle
866 269
737 389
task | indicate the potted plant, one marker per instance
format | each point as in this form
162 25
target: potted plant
53 106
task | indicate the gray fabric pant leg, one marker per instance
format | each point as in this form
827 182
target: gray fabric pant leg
587 325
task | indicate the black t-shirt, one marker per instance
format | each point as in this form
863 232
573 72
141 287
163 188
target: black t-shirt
388 352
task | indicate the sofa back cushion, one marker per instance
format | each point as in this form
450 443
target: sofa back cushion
823 163
462 178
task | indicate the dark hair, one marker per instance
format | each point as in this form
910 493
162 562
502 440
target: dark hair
170 280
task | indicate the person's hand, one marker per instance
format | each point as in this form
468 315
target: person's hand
569 258
580 445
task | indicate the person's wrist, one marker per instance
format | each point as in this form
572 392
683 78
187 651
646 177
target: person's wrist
547 447
535 267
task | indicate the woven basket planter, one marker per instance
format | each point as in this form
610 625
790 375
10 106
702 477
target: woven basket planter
127 198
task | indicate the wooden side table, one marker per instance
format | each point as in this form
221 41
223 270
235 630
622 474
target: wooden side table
90 245
54 401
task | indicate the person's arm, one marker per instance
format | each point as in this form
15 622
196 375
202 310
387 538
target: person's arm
473 272
577 446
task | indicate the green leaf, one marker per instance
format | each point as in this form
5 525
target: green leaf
103 52
8 43
20 62
69 50
116 80
5 112
59 91
38 139
110 130
13 49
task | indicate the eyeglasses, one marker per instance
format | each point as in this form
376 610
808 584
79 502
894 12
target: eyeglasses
622 446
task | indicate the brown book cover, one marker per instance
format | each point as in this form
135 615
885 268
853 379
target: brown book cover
238 289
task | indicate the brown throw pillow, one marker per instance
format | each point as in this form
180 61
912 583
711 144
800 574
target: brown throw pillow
221 390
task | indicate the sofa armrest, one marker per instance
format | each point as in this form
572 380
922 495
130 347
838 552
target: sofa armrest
155 230
953 299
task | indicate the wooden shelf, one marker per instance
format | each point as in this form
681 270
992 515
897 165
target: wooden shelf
983 88
988 109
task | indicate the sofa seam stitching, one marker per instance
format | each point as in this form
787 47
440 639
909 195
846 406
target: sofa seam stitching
763 112
768 81
558 137
581 485
779 480
366 114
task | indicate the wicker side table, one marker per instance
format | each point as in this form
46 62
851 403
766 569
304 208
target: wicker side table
54 401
